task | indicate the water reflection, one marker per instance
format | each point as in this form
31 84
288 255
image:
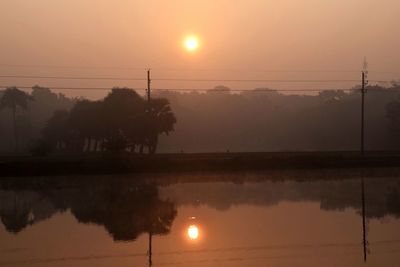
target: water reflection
382 196
363 218
193 232
127 208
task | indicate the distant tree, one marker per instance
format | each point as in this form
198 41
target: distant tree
159 119
332 95
393 114
395 83
85 120
220 89
56 131
43 94
13 98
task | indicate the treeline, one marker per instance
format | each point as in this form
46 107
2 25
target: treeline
122 121
23 116
213 121
268 120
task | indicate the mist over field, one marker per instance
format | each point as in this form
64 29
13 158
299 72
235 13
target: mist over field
260 120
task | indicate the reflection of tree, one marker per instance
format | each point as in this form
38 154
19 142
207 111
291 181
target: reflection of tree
125 212
382 195
21 209
16 216
125 208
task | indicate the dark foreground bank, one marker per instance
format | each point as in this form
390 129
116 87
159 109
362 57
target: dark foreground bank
125 163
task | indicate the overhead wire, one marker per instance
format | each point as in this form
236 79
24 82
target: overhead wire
189 89
71 78
173 68
184 79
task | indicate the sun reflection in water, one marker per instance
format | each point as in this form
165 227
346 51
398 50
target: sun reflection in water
193 232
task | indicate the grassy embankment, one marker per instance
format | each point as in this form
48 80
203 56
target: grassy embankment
126 163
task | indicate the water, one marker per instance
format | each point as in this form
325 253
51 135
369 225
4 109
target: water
234 220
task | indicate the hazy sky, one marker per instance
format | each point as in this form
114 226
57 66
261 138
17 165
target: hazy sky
246 35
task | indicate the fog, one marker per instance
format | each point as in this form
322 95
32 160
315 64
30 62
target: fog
219 121
252 39
243 45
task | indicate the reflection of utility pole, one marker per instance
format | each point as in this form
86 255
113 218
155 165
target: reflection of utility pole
363 218
148 86
150 252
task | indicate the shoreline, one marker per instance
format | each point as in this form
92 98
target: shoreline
97 164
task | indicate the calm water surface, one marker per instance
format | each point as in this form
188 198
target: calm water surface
221 220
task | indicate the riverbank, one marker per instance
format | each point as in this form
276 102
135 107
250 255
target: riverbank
161 163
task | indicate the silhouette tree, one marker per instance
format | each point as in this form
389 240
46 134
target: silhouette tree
84 122
393 114
123 120
56 131
160 119
13 98
122 113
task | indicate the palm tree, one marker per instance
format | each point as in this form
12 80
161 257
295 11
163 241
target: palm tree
160 119
12 99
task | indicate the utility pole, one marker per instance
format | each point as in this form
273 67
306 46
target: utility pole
364 82
362 112
148 86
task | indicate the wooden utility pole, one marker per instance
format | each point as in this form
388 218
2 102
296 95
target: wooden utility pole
362 112
148 86
364 82
363 218
150 252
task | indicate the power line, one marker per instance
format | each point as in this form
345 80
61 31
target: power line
190 90
71 67
68 88
277 90
253 90
387 72
190 70
174 79
252 80
71 78
176 69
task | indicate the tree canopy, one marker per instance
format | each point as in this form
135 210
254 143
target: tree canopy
13 98
121 121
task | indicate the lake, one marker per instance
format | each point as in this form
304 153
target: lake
216 219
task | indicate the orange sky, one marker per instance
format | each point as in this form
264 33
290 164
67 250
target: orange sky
242 35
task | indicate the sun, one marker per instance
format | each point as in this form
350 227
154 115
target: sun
191 43
193 232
